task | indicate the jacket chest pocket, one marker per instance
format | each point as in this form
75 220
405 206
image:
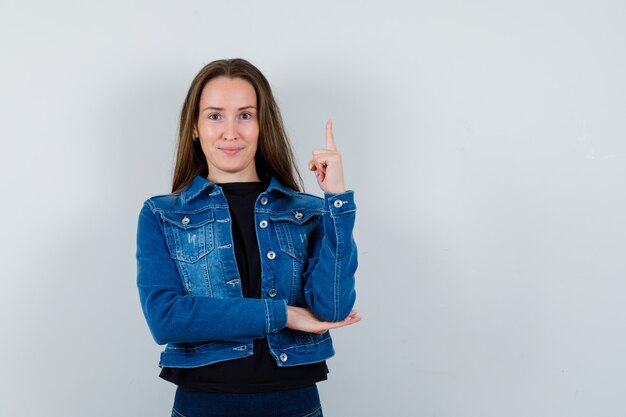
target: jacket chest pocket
189 235
293 229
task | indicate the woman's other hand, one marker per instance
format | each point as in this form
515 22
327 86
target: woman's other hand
326 164
299 318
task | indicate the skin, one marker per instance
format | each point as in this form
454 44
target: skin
228 130
327 166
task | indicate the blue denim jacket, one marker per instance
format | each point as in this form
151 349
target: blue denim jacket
189 284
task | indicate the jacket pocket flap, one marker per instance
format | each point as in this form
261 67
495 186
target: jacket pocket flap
295 216
188 220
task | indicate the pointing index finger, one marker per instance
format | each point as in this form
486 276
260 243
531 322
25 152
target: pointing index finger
330 139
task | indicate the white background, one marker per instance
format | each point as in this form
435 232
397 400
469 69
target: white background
486 142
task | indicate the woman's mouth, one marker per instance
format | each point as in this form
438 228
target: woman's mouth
230 151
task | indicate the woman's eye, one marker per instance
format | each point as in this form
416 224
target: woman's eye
214 116
246 116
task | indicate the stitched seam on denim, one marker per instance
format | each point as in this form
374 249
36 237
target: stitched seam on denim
184 277
307 344
336 274
280 214
196 211
154 211
342 212
285 242
281 235
267 317
207 275
151 206
314 412
283 216
175 413
189 196
288 242
232 257
205 230
294 277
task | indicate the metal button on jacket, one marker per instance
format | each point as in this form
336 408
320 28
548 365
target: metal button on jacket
272 293
185 221
338 203
263 224
264 200
283 357
271 254
299 215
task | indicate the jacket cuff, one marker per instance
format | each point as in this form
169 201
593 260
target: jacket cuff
275 315
340 203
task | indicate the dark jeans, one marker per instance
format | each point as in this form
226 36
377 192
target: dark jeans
299 402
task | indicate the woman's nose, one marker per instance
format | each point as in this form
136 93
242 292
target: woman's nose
230 130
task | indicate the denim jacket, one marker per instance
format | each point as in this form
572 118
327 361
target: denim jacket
189 284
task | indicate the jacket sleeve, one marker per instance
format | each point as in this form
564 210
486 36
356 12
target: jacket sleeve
175 316
332 260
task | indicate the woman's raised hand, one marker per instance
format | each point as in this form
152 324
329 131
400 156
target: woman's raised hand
299 318
326 164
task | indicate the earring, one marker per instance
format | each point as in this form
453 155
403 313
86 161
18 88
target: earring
195 139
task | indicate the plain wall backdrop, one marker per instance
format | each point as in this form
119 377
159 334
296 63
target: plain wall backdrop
486 144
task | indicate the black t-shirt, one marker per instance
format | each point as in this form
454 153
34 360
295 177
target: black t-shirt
259 372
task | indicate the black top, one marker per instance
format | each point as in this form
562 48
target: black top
258 372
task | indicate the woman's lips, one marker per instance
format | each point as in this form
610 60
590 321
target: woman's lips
230 151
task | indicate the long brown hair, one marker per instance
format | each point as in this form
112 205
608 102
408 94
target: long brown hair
274 154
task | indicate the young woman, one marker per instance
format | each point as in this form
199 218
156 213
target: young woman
240 274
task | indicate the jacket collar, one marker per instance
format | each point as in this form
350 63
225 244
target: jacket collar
199 184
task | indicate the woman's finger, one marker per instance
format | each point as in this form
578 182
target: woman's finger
351 319
330 139
326 159
346 322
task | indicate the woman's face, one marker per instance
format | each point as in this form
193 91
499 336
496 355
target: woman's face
228 128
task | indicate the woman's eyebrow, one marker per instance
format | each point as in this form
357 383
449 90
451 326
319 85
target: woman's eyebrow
222 108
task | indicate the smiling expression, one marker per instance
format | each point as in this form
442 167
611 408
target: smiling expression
228 128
